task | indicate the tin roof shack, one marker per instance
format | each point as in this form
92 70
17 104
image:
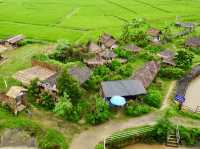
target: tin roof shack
107 41
193 42
148 73
81 74
13 41
154 34
128 89
133 48
167 57
16 98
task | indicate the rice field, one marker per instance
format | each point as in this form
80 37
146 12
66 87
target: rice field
85 19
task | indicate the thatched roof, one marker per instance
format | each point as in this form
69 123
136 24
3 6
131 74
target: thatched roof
133 48
81 74
148 73
125 88
108 54
15 91
193 42
15 39
168 57
154 32
96 61
94 48
107 40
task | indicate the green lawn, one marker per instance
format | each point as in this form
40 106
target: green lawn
17 59
83 19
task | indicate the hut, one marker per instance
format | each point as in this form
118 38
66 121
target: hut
133 48
94 62
188 25
108 55
128 89
148 73
81 74
94 48
107 41
13 41
167 57
193 42
154 34
16 98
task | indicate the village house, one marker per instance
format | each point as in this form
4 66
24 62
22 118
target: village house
107 41
193 42
188 25
108 55
148 73
154 34
128 89
15 98
94 48
81 74
13 41
167 57
133 48
94 62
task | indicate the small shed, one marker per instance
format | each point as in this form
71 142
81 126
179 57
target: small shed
94 48
167 57
133 48
188 25
107 41
16 98
193 42
81 74
128 89
14 40
94 62
154 34
148 73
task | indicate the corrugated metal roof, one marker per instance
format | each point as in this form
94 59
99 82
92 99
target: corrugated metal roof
122 88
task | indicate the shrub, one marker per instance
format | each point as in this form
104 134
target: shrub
153 49
195 50
136 109
99 146
101 71
33 90
98 113
115 65
153 98
125 70
123 53
171 72
47 100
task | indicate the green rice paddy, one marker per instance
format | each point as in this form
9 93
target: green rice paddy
85 19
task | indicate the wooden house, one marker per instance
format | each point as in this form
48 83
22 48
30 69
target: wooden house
94 48
13 41
16 98
133 48
108 55
107 41
94 62
167 57
193 42
154 34
148 73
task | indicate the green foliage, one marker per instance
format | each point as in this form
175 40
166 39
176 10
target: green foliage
171 72
99 146
101 71
33 90
184 59
30 41
153 49
66 84
115 65
195 50
62 45
123 53
98 113
52 139
47 100
136 109
125 70
153 98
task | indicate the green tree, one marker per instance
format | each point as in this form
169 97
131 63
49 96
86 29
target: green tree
115 65
67 84
153 98
47 100
98 113
33 90
184 59
64 106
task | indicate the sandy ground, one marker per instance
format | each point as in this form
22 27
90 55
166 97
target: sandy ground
193 94
146 146
18 147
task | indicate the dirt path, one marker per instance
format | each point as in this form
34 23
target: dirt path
89 138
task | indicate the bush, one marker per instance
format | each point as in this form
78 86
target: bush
195 50
153 49
123 53
125 70
98 113
33 90
99 146
136 109
171 72
47 100
115 65
153 98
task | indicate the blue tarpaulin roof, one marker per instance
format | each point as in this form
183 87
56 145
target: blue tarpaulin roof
118 101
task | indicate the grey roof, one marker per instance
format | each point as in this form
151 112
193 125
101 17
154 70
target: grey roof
193 42
15 39
50 83
122 88
81 74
